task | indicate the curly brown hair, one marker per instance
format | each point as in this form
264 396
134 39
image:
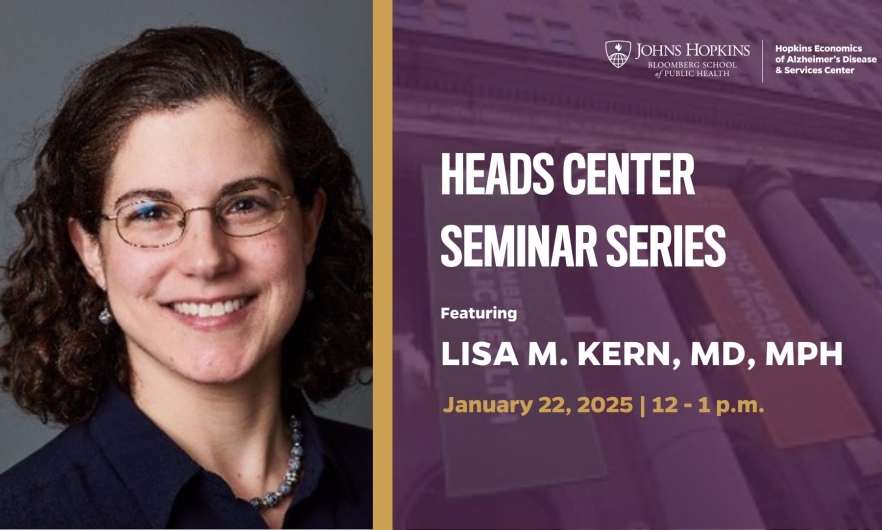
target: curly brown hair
57 359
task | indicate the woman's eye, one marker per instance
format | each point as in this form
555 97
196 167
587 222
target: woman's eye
145 213
247 205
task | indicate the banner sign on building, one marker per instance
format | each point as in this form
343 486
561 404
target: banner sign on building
753 304
501 451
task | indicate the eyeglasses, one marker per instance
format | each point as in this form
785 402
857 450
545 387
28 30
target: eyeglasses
153 224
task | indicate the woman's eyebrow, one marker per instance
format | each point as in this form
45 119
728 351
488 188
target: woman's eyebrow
160 194
249 183
153 194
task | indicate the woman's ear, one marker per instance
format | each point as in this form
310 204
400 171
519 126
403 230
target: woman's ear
312 223
89 250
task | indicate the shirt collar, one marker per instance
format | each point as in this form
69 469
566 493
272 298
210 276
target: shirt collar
155 469
149 463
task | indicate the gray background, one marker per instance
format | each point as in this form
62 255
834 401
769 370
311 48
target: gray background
327 45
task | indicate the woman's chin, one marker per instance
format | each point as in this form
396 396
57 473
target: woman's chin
215 377
219 371
206 362
217 367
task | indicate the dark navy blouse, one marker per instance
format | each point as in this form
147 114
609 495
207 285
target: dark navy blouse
119 470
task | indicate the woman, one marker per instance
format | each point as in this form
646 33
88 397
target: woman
194 259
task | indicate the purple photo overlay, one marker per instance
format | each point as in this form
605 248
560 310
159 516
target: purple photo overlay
779 106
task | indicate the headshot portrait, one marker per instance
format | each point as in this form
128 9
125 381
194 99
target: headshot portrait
187 248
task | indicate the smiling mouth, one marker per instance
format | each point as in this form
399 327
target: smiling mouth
216 309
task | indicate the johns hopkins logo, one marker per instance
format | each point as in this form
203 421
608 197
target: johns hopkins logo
618 52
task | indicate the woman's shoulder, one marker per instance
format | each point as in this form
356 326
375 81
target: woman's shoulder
50 488
38 486
351 448
346 434
64 453
352 443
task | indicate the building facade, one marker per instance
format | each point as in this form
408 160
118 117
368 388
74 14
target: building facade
789 164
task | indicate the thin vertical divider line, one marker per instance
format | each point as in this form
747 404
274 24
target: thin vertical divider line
642 406
382 231
762 61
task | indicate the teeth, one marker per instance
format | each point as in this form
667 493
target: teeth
209 310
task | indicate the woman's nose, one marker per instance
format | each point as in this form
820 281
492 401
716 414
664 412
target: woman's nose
204 247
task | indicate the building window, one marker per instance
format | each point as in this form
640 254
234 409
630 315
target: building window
766 34
749 33
705 24
793 83
874 13
870 92
601 7
844 8
843 30
647 41
452 18
615 35
631 10
743 77
876 37
778 14
827 25
807 3
785 15
523 30
856 92
734 5
561 37
819 88
678 18
408 13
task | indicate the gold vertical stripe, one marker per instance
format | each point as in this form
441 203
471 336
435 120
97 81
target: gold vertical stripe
382 217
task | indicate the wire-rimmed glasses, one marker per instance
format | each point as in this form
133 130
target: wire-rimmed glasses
147 223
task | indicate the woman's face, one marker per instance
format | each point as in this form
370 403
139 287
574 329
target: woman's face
189 156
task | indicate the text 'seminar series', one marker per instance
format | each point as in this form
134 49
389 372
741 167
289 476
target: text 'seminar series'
573 246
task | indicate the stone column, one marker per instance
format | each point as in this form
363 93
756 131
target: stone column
698 479
824 281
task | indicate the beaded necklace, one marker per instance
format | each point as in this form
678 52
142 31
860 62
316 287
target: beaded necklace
286 487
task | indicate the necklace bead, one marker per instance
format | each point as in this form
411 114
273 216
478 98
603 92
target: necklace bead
286 487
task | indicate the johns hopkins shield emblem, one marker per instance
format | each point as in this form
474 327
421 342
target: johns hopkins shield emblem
618 52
